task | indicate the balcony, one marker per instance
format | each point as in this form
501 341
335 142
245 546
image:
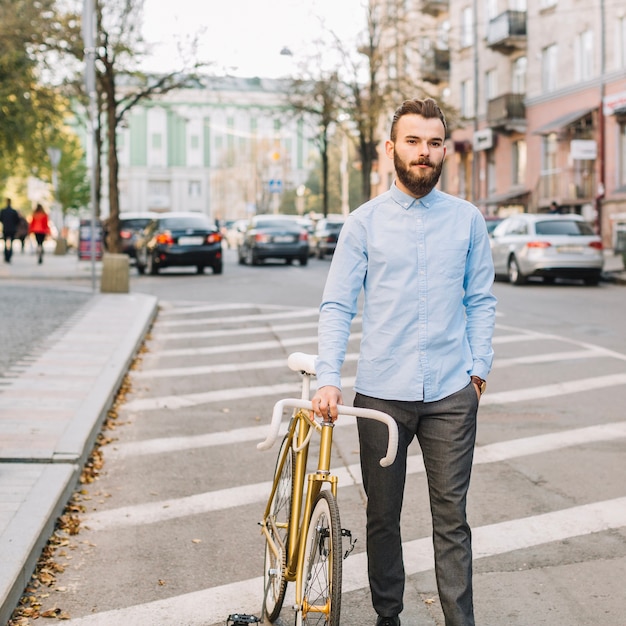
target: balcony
435 7
507 113
507 32
435 66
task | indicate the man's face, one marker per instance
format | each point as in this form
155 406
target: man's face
418 153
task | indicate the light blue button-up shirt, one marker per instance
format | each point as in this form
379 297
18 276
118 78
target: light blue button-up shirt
428 318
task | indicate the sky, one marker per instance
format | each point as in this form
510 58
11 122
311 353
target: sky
245 37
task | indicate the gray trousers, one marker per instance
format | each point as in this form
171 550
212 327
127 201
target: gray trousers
446 431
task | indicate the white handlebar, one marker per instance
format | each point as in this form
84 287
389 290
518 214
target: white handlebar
297 403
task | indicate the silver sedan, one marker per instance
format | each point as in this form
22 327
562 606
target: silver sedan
548 246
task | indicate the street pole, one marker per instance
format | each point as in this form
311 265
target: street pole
89 39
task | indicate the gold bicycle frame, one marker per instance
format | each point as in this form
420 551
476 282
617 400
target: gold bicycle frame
299 430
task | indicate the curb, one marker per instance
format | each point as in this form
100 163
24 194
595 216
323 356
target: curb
40 481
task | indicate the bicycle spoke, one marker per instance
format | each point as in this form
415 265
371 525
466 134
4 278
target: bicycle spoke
274 581
322 582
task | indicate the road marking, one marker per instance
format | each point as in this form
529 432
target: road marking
222 368
192 309
236 332
256 317
202 370
501 397
152 512
556 389
213 605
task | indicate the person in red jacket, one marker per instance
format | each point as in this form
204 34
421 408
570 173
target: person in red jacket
40 227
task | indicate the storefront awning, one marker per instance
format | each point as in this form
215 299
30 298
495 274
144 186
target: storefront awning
563 121
507 196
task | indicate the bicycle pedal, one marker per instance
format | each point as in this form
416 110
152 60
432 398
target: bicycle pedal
346 533
240 619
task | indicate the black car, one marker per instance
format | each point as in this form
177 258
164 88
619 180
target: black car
131 226
273 237
178 240
324 239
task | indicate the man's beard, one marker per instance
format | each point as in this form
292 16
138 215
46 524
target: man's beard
417 183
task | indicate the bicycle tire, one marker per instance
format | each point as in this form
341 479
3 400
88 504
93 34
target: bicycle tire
321 602
274 581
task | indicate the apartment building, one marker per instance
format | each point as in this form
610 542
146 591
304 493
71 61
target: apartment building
539 87
226 146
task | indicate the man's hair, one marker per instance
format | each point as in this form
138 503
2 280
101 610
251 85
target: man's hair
427 108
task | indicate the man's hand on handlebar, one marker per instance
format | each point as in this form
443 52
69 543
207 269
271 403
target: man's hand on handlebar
325 402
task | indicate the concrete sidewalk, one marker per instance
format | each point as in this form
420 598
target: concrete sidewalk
51 410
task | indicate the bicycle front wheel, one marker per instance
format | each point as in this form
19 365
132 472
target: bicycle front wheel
277 524
321 602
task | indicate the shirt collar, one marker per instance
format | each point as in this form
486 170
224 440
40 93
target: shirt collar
406 201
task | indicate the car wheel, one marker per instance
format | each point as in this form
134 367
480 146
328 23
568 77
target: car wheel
592 281
288 260
200 269
241 256
153 268
218 267
251 257
320 253
515 276
304 260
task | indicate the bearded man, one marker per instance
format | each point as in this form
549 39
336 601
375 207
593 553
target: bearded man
423 260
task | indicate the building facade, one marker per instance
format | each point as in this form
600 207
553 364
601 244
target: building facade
539 89
227 147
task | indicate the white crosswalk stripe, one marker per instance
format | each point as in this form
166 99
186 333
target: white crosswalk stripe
213 324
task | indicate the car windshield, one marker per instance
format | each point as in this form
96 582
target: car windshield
334 226
282 224
563 227
135 224
183 223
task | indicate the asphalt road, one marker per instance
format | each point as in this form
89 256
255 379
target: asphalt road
169 535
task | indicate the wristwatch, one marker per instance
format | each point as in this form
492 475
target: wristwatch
482 384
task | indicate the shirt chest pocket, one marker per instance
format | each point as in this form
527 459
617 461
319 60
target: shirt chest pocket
451 258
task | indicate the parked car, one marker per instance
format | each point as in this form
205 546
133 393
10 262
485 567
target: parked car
131 225
179 239
234 233
273 237
549 246
492 221
324 238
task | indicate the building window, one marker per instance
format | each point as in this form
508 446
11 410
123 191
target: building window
491 173
549 171
620 48
622 155
195 188
491 9
518 78
491 85
467 27
519 162
467 99
549 68
583 59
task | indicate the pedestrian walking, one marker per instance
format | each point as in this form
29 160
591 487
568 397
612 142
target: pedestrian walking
40 226
9 218
22 230
423 259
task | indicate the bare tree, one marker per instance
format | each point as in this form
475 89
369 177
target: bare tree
375 81
119 48
319 98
